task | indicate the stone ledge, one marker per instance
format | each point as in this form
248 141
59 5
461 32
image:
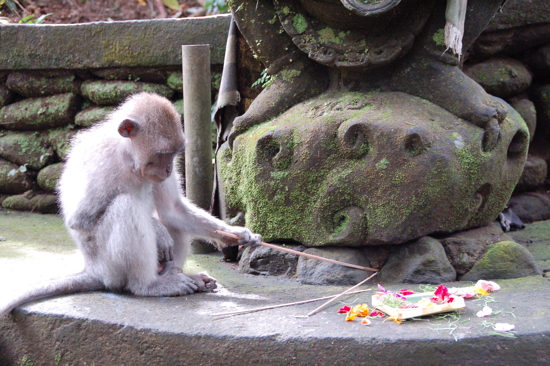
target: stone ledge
111 329
110 44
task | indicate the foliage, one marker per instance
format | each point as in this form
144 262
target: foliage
216 7
29 19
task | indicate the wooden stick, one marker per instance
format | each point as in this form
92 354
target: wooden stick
287 304
342 294
283 249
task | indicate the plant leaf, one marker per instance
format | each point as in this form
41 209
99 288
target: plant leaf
172 4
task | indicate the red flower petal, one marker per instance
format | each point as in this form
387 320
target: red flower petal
344 310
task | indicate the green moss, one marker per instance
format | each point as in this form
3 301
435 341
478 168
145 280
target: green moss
299 23
328 35
382 164
439 37
288 74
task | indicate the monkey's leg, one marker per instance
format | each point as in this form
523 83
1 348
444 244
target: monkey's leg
182 243
432 74
129 257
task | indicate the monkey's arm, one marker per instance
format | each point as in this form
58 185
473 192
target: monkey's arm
90 209
177 213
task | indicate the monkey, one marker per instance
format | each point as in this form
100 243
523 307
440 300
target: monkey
123 205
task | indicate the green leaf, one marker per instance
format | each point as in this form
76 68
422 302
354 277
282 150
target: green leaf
172 4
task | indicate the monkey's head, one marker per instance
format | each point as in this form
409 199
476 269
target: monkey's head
154 132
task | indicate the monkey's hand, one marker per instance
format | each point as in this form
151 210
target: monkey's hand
165 251
248 238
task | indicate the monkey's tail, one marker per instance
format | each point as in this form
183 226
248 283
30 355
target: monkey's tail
80 282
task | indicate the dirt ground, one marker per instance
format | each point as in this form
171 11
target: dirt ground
84 11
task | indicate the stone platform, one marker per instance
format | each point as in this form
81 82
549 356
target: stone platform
112 329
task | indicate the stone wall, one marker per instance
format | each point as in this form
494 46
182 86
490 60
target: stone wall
72 78
511 60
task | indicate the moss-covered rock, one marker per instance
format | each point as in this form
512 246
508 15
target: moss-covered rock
14 179
528 112
505 259
30 201
532 206
105 92
533 176
541 98
60 140
502 77
146 74
352 169
91 115
175 81
465 248
40 113
49 176
26 148
5 95
35 84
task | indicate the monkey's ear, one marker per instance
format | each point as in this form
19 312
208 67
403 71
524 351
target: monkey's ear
128 128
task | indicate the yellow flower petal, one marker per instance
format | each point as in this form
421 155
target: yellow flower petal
350 316
395 319
480 291
361 310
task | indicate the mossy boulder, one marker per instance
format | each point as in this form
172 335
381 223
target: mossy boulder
40 113
146 74
528 112
109 92
26 148
505 259
14 179
502 77
266 261
353 169
36 84
175 81
30 201
5 95
60 140
91 115
465 248
49 176
534 175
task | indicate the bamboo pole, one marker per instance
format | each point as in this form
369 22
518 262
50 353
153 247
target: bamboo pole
342 294
283 305
283 249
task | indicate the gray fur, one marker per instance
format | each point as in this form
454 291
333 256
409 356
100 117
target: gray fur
123 205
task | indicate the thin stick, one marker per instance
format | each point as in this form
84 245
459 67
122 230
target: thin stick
283 305
283 249
342 294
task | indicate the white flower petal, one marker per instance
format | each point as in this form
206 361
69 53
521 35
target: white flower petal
486 311
503 327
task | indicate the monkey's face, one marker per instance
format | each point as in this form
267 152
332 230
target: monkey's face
159 166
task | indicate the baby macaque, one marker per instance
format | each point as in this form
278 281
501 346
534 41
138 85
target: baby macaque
123 205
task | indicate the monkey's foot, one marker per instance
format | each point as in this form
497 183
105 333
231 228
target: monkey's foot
204 282
447 86
302 80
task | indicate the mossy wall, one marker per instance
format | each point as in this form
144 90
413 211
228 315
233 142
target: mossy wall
58 79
